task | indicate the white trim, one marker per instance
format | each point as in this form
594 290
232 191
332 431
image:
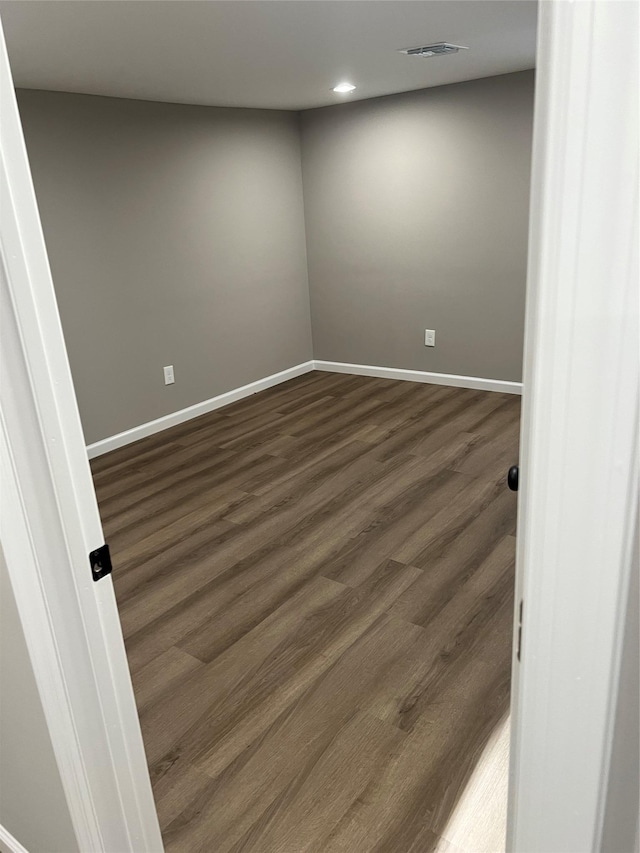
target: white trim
113 442
456 381
579 472
182 415
9 844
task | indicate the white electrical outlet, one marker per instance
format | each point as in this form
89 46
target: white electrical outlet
168 375
429 337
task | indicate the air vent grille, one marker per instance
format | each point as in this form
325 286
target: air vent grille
440 49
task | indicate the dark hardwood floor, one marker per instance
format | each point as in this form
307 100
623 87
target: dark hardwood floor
316 592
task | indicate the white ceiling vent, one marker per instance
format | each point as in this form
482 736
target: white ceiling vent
440 49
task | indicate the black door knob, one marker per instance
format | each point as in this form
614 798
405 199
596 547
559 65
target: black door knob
512 478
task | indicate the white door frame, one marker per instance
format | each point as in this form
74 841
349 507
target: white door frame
577 468
579 474
50 523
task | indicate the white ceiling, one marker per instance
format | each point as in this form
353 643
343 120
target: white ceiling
284 54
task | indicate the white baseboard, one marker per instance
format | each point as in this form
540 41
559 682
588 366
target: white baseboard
142 431
474 382
9 844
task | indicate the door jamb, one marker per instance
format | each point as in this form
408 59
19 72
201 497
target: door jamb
50 523
579 465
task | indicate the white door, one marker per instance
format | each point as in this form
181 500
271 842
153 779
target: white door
50 524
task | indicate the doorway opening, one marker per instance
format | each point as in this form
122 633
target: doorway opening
315 581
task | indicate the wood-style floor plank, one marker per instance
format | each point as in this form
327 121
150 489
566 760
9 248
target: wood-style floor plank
315 586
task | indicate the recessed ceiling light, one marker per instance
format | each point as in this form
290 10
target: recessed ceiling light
344 88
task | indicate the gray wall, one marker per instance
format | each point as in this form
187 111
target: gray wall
620 826
176 236
416 212
33 807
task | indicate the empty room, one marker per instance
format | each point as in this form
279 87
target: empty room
288 242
